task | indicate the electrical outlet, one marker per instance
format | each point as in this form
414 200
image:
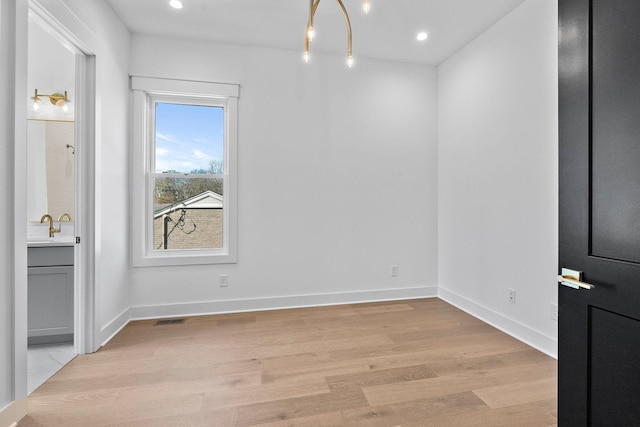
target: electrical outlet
554 311
393 271
224 280
512 295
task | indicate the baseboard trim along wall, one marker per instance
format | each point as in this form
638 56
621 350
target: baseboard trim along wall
535 339
13 412
527 335
116 325
276 303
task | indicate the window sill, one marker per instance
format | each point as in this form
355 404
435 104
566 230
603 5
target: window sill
177 258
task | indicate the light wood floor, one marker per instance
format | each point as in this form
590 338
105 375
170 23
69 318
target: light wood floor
406 363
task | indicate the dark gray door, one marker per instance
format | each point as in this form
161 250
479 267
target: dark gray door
599 329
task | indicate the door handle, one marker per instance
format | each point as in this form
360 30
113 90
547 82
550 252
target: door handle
572 279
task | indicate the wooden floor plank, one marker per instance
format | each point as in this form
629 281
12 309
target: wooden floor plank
518 393
415 413
455 383
385 364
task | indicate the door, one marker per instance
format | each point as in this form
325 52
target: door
599 328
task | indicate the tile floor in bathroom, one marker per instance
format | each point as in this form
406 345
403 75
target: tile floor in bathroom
43 361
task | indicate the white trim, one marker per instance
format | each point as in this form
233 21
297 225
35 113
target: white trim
146 91
279 303
85 186
524 333
115 326
14 82
185 87
13 412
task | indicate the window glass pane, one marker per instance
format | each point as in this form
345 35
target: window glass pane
188 213
189 138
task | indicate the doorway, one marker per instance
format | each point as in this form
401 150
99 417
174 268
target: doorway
59 138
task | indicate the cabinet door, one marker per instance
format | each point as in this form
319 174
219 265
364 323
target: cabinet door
50 299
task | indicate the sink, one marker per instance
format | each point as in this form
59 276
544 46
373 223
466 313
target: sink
43 241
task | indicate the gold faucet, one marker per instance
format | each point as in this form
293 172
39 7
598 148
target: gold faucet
52 230
63 216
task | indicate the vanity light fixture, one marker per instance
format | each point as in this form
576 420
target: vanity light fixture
57 100
58 109
310 31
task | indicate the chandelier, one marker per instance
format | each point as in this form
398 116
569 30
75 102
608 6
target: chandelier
313 6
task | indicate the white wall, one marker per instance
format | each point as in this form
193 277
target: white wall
337 180
7 40
498 174
13 251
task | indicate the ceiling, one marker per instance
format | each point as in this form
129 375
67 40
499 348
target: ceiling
387 32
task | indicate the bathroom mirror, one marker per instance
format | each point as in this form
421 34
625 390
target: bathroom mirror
50 170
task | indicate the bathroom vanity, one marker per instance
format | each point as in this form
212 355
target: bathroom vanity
50 290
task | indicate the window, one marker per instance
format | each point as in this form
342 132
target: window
184 170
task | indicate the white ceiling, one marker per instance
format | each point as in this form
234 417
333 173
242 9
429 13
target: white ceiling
387 32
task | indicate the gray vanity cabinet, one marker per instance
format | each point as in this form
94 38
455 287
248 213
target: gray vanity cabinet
50 294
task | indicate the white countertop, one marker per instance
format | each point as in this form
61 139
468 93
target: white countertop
43 242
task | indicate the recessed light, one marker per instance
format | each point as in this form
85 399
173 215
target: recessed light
422 36
176 4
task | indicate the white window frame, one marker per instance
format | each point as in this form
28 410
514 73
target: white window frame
146 92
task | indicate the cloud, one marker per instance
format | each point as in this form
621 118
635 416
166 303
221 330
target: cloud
165 137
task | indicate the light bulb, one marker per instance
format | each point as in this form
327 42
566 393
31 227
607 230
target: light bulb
311 32
65 108
35 106
306 57
176 4
350 61
366 7
421 36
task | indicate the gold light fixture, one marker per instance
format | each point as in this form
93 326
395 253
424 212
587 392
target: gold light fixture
57 99
55 107
310 32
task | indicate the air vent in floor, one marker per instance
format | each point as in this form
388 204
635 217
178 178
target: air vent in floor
169 322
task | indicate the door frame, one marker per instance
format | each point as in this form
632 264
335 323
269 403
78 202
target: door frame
74 35
84 173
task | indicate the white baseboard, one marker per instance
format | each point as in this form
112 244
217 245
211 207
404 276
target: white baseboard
527 335
13 412
112 328
275 303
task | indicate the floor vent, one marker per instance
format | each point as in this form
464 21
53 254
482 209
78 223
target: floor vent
169 322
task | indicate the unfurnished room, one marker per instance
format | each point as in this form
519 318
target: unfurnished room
279 213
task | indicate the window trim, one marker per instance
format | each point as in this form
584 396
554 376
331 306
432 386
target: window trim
146 91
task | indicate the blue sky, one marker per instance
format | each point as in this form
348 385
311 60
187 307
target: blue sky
188 137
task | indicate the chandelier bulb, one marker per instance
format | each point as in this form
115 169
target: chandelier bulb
350 61
366 7
306 57
311 32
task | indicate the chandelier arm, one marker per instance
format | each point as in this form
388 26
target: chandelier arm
306 42
348 22
313 6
